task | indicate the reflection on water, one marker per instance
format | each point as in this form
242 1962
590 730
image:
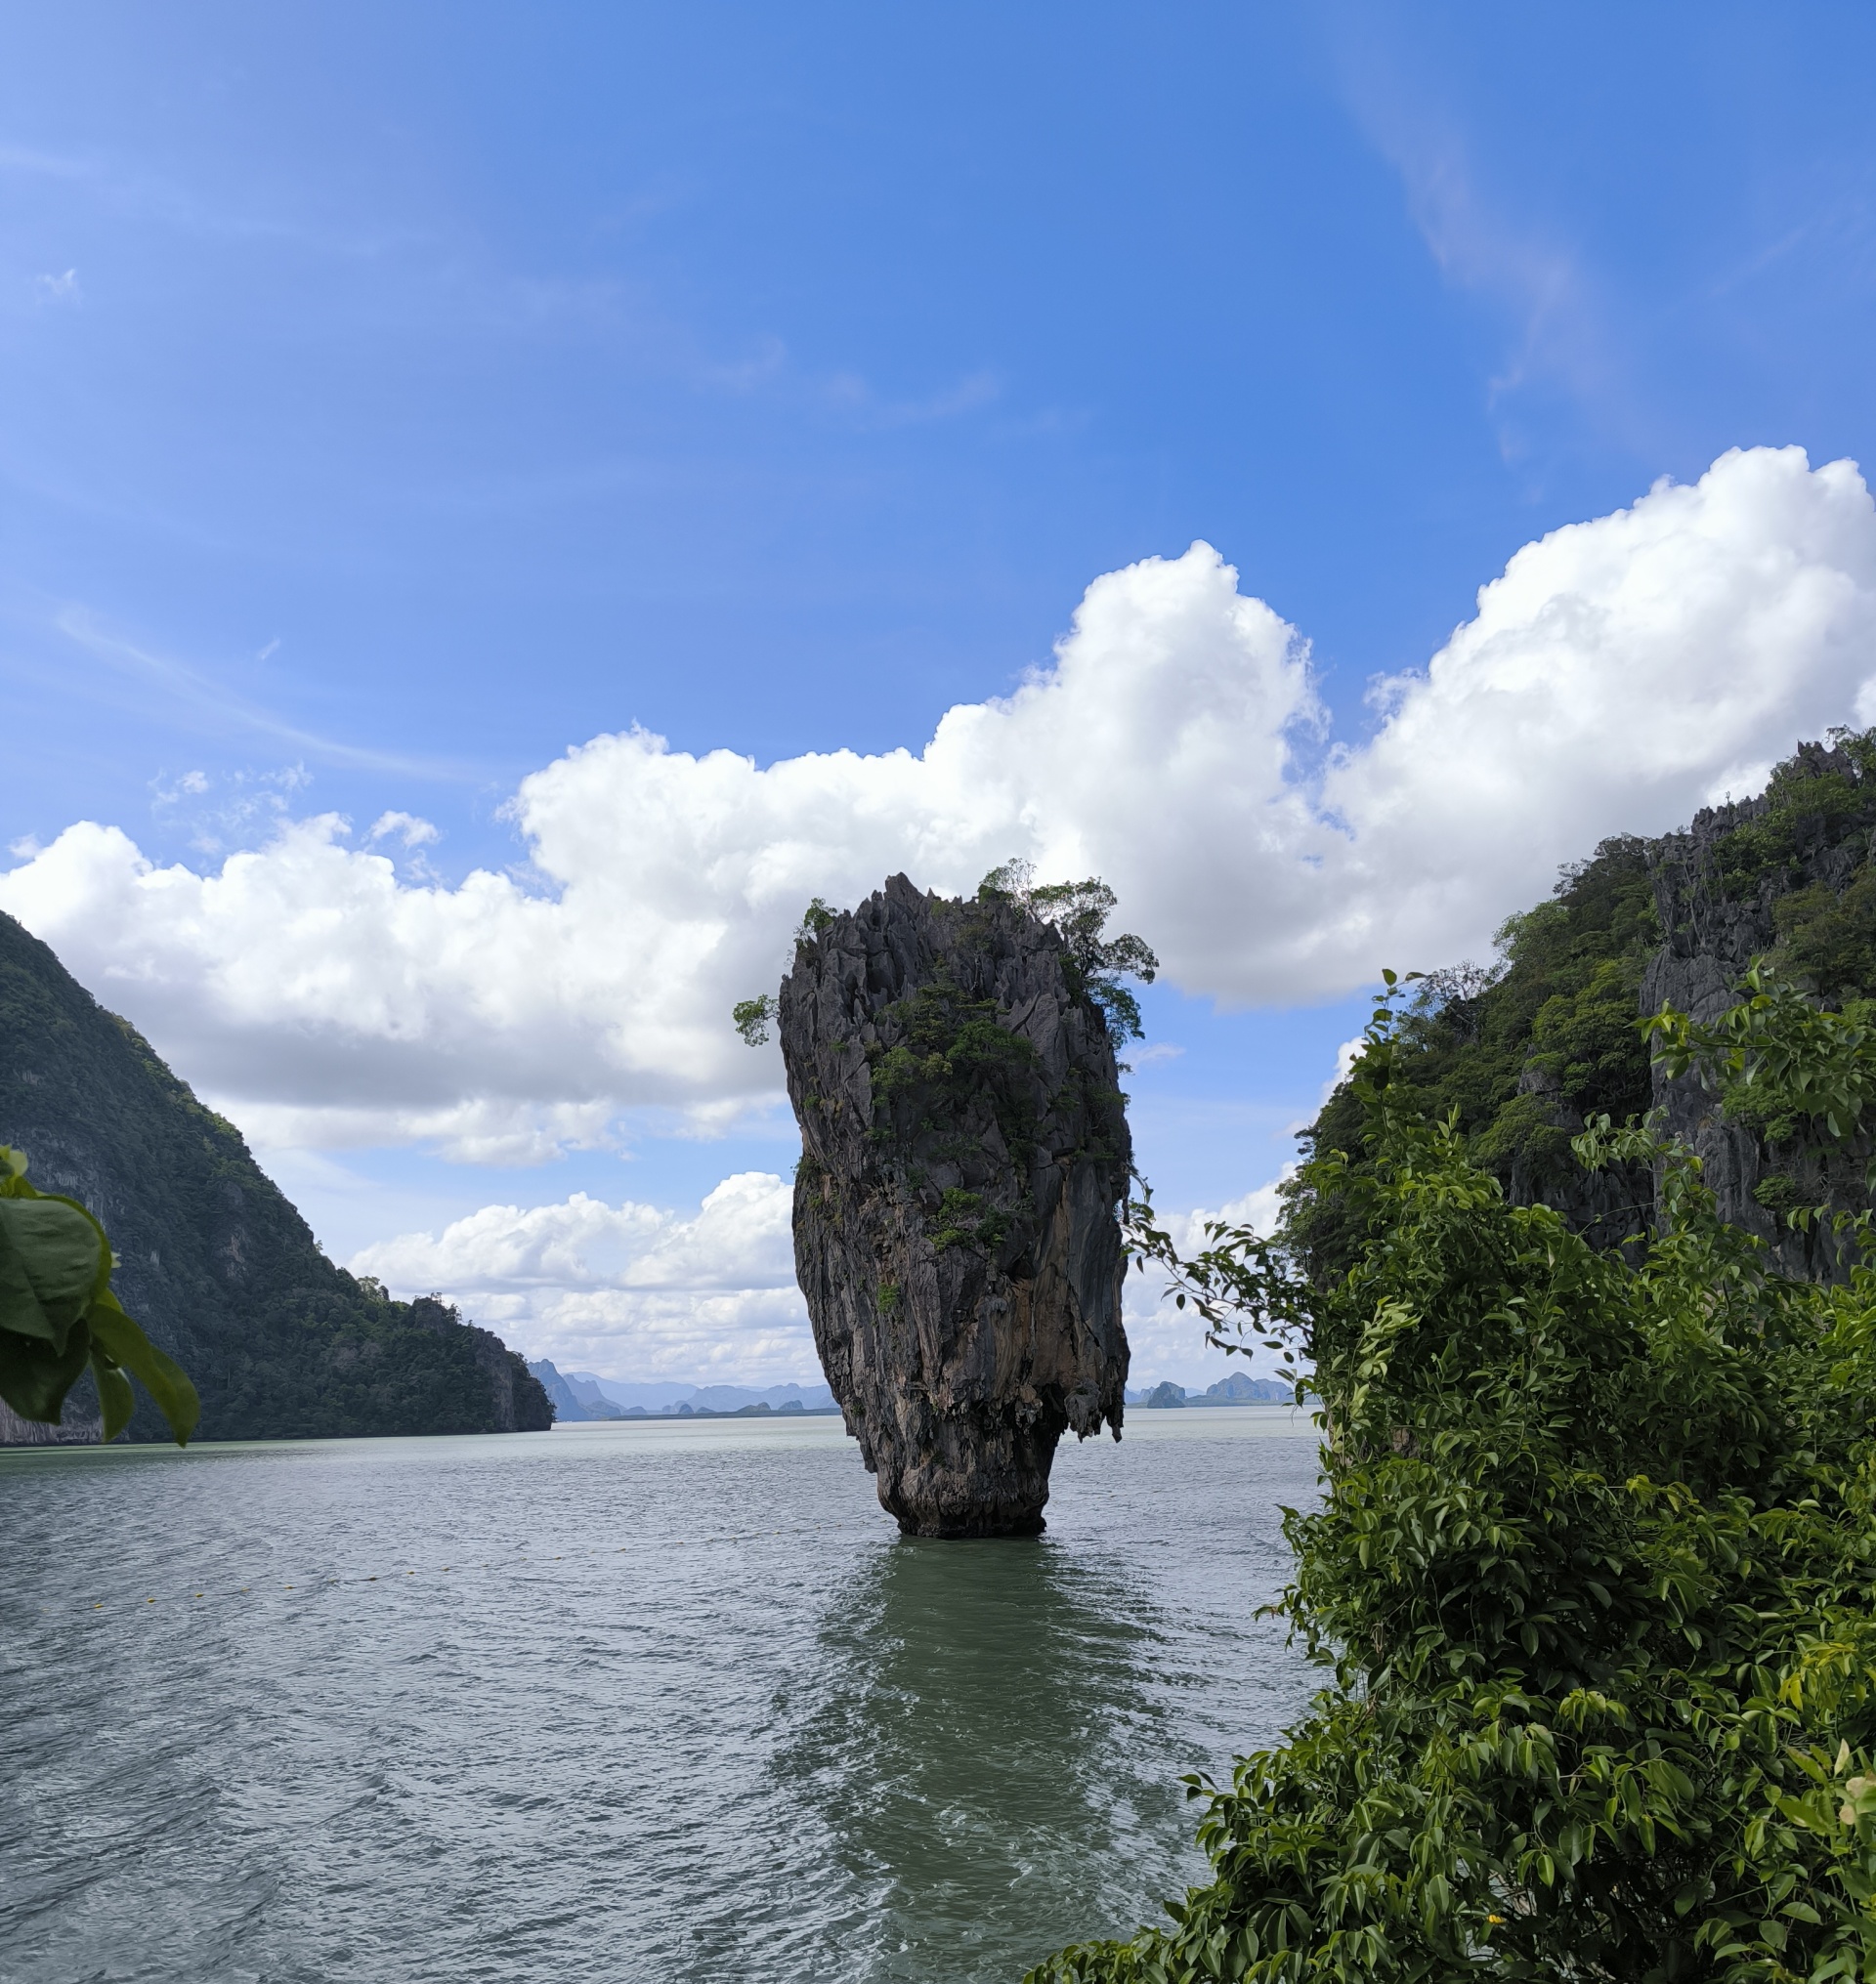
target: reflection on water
677 1708
965 1740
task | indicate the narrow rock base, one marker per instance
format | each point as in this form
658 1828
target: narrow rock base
969 1480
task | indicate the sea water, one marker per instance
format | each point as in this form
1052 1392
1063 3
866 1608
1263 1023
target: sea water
665 1701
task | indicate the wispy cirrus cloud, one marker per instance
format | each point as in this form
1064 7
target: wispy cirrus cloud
1562 329
971 394
196 699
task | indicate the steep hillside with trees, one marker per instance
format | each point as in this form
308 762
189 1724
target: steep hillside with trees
1531 1048
214 1263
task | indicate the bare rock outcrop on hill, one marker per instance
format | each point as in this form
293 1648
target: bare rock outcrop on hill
1714 923
964 1152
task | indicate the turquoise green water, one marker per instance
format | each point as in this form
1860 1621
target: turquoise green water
615 1703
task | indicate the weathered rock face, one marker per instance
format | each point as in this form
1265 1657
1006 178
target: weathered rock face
1711 934
964 1150
1714 923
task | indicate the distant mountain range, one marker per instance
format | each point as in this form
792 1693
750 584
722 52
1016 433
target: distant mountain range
1236 1390
583 1395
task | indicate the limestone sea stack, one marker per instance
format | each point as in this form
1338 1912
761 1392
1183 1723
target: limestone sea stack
956 1230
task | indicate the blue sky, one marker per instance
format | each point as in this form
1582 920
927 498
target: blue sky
398 396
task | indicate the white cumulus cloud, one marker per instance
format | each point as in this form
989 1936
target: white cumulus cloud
1167 1341
641 1293
631 1289
407 827
1617 675
1347 1055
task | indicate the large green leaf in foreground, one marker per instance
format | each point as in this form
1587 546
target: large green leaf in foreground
57 1315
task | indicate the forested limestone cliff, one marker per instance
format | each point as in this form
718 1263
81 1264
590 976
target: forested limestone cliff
1527 1050
215 1263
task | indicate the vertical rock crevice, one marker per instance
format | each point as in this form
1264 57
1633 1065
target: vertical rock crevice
957 1231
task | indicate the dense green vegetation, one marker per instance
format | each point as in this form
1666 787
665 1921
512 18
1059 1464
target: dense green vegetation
1559 1007
1595 1569
951 1051
1594 1575
1523 1053
1098 965
1814 799
219 1268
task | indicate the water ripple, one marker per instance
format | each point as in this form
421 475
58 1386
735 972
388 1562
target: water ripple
615 1703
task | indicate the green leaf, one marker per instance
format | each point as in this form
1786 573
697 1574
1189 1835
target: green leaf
114 1396
161 1375
751 1017
35 1377
50 1254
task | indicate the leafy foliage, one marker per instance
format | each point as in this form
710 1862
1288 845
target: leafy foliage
58 1314
751 1018
1781 1055
1809 803
1829 939
968 1218
1079 911
1529 1050
1593 1576
954 1065
952 1051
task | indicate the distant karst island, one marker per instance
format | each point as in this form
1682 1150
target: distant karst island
583 1396
1236 1390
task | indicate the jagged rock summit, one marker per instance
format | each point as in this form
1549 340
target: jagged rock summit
964 1154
